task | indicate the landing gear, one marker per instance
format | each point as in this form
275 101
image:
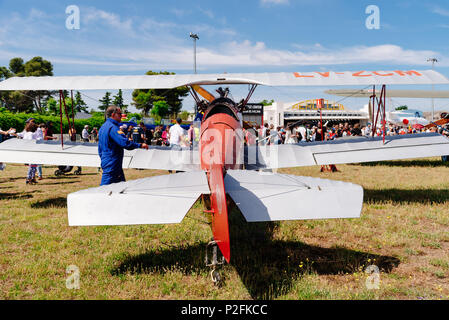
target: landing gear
214 262
77 171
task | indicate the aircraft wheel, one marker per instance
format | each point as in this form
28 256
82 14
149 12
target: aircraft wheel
77 172
58 173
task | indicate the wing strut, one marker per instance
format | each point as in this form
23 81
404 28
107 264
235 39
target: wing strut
381 102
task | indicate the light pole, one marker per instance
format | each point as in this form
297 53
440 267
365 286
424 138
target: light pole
195 37
433 60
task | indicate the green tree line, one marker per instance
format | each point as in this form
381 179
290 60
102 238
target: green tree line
17 121
158 103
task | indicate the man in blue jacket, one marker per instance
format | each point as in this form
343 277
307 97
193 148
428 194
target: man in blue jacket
111 143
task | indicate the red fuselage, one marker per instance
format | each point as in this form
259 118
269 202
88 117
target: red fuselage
221 147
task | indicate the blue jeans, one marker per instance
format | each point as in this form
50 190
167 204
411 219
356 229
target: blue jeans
31 174
114 177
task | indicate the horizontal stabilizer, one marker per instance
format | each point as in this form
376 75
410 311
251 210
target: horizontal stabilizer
86 155
153 200
271 196
347 150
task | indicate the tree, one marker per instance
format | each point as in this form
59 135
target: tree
38 67
105 101
119 102
160 110
16 66
5 73
404 107
54 108
266 102
79 104
144 99
184 115
27 101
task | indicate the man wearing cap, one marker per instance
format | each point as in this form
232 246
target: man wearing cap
111 143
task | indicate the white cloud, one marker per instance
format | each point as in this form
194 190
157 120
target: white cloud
440 11
248 54
92 15
207 13
274 2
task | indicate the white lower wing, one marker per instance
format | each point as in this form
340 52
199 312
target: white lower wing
153 200
86 155
347 150
272 197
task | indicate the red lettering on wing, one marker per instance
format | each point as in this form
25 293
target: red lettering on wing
410 73
383 75
297 75
359 74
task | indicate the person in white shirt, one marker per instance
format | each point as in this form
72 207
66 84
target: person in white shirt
302 130
31 134
176 134
40 136
85 133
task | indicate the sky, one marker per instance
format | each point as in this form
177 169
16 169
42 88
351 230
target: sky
132 37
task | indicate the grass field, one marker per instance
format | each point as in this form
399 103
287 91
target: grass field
403 231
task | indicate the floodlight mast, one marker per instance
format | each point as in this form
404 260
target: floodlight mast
433 60
195 37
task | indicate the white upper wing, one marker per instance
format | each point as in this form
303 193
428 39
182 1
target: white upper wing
329 78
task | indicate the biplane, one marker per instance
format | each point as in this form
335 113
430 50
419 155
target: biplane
222 166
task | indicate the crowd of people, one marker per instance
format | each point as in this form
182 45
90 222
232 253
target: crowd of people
162 135
176 136
32 131
294 133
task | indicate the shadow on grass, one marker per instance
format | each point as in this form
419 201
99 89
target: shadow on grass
15 195
267 267
61 177
401 196
12 179
59 202
406 163
57 183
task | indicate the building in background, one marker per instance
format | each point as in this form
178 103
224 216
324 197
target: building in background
281 113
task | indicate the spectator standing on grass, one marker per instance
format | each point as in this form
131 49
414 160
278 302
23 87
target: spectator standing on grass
31 134
111 145
176 134
85 133
165 135
48 131
40 136
94 134
72 134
